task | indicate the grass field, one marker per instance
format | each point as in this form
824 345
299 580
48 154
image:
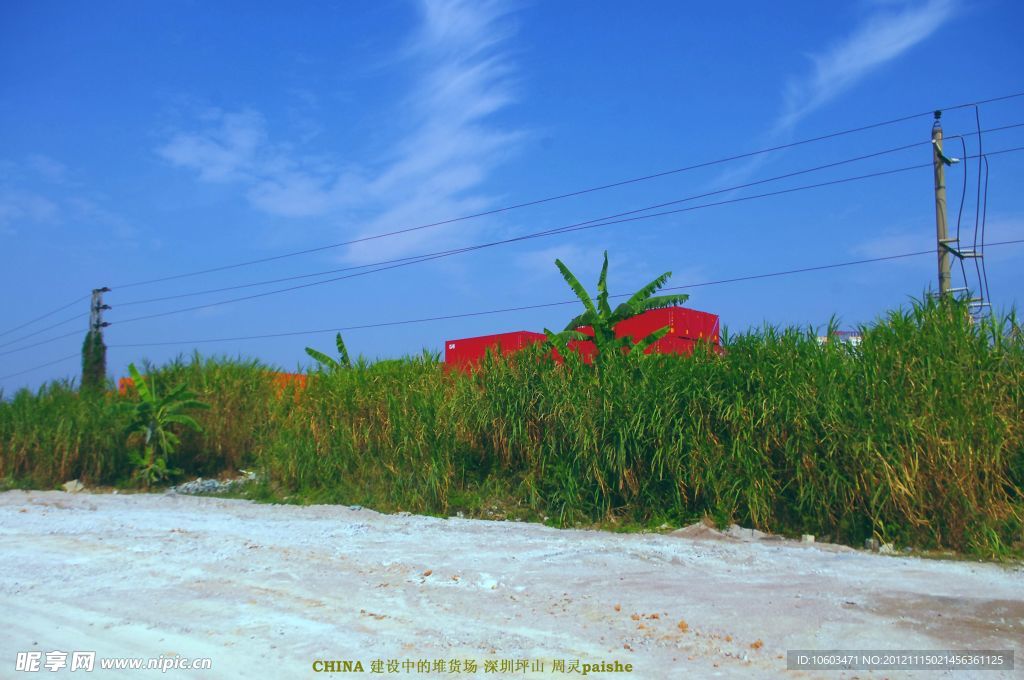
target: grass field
915 436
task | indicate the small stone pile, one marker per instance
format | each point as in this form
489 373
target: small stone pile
200 485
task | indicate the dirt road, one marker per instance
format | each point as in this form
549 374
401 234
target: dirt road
265 591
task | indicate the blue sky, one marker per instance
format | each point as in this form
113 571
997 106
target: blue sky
142 140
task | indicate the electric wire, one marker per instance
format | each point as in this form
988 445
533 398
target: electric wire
981 154
446 317
591 221
46 328
297 277
986 293
560 230
978 264
41 342
536 201
36 368
579 192
984 215
590 224
752 277
44 316
960 212
982 159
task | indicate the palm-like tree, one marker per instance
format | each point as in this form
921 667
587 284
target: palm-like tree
328 362
153 417
603 319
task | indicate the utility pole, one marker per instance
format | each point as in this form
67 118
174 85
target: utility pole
94 351
941 230
96 309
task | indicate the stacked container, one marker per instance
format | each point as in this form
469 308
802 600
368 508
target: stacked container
465 353
685 328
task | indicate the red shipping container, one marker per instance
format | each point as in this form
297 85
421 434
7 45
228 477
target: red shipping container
681 322
465 352
686 327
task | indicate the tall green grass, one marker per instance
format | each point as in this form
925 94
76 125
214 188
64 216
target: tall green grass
915 436
57 434
61 433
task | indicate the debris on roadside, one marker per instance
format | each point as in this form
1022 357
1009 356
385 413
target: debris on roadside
706 530
212 486
74 486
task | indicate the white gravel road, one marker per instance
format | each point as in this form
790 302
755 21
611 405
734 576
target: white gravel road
265 591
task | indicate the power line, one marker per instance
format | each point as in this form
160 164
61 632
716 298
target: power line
44 316
43 330
35 368
752 277
579 192
979 262
570 228
598 219
560 230
984 217
532 202
737 279
595 220
963 197
41 342
513 207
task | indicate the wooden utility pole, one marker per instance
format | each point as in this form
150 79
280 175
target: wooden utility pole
941 230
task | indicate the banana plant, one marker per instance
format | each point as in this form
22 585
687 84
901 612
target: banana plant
153 416
330 363
602 318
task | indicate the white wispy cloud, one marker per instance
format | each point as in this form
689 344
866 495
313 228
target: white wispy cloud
90 214
882 37
895 243
1006 227
22 203
892 28
583 260
627 268
61 202
432 171
226 150
1003 228
20 208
